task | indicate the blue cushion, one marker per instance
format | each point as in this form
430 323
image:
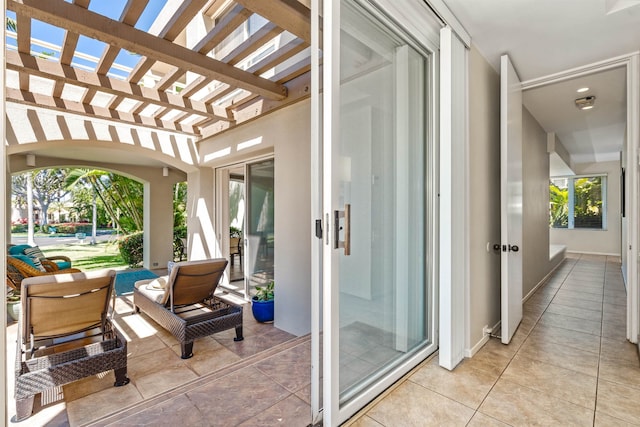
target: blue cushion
25 259
18 249
62 265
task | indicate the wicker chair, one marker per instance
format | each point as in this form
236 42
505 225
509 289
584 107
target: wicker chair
18 270
53 262
184 304
65 334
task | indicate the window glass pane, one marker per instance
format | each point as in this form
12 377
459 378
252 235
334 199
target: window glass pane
588 202
559 203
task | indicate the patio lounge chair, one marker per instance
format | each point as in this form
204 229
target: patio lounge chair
184 304
19 269
65 334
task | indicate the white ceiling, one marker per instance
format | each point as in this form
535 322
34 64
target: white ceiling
544 37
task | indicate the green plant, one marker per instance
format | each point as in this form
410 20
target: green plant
265 293
13 295
235 232
130 248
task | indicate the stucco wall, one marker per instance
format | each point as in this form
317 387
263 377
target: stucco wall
597 241
286 133
484 196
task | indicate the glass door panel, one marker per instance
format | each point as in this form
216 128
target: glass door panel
259 226
379 179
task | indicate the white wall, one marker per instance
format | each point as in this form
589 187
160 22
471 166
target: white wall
596 241
286 133
484 189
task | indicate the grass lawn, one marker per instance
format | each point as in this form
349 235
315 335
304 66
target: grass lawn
89 257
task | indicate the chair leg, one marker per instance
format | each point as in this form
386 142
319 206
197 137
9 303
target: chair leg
239 336
187 350
24 408
121 377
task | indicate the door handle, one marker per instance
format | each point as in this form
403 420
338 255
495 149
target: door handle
346 243
507 248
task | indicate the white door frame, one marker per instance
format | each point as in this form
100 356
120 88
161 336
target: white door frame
632 64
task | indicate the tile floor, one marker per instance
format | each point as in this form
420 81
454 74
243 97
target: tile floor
568 364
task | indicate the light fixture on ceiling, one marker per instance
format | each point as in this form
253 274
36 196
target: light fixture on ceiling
31 160
585 103
165 171
582 90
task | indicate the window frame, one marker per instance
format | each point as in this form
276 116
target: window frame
571 200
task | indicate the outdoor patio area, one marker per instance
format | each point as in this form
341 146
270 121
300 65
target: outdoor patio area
265 375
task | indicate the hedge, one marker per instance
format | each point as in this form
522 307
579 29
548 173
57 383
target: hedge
130 248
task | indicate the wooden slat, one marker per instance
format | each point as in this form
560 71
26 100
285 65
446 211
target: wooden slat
285 52
287 14
26 64
23 25
96 26
66 106
185 13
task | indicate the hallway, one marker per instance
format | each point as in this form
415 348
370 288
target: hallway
568 364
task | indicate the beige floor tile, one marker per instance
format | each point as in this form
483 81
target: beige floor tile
572 302
87 386
580 313
579 295
573 323
105 402
620 372
414 405
490 359
518 405
604 420
206 362
619 349
291 369
163 380
562 356
164 359
614 330
481 420
618 401
178 411
237 397
620 300
288 412
464 384
553 380
201 345
544 333
364 421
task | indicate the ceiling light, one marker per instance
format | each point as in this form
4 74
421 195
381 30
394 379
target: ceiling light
585 103
582 89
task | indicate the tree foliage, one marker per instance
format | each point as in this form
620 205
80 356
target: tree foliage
48 187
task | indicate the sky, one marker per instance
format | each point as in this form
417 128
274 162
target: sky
109 8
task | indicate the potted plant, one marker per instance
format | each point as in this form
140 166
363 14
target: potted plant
262 303
13 304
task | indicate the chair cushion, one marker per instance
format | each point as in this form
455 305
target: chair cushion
63 265
29 260
18 249
154 289
35 254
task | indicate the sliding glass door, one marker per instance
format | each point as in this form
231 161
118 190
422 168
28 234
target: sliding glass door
378 204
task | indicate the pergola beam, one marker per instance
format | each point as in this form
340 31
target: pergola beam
73 18
87 110
290 15
30 65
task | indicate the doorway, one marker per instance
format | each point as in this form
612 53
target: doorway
246 209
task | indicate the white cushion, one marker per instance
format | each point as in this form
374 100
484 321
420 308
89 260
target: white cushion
154 289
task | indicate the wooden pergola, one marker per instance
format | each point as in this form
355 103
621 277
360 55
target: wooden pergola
195 87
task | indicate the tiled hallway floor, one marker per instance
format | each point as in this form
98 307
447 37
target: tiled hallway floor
568 364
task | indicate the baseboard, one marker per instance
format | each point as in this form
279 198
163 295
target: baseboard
470 352
593 253
541 282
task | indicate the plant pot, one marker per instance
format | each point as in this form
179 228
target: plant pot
262 310
13 309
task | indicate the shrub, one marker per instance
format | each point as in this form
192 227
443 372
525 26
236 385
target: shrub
18 228
73 228
130 248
